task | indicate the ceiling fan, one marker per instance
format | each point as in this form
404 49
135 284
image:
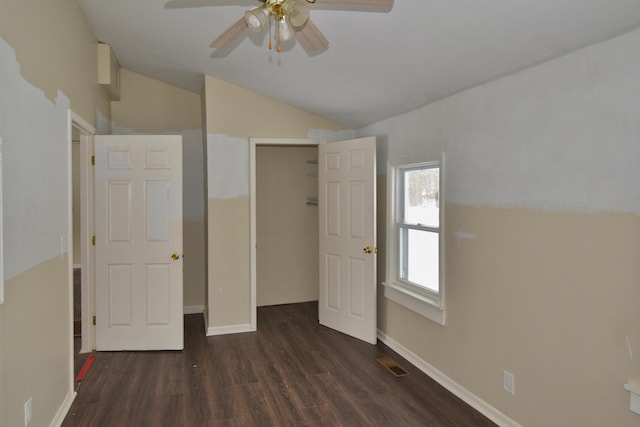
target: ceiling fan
290 18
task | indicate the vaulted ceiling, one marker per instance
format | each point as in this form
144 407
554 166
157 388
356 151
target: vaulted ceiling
377 65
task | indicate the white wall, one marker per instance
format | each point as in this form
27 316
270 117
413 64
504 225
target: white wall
36 155
538 138
227 167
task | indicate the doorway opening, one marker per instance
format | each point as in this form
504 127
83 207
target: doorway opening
80 230
288 221
346 234
286 224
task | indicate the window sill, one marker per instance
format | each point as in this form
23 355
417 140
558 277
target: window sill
415 302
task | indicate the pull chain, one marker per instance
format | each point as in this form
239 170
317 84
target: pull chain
277 38
270 44
278 48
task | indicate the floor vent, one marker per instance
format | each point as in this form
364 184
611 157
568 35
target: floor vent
392 366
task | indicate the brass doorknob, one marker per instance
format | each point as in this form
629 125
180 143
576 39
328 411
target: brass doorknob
175 256
367 250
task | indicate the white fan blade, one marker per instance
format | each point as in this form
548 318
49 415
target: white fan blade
230 34
311 39
365 5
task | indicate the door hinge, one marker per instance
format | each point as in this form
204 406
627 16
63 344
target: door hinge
94 320
93 240
93 160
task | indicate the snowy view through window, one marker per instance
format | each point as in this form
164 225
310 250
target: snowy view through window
420 246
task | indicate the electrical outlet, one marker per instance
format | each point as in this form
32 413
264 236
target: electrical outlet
509 382
27 412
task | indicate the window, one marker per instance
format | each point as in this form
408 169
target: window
418 223
415 247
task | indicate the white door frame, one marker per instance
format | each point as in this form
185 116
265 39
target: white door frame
86 214
253 142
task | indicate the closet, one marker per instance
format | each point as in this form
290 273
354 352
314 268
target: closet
286 224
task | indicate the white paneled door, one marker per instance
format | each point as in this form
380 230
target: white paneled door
347 202
138 223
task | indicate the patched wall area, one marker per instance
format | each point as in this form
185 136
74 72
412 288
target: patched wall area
541 236
34 127
233 115
148 106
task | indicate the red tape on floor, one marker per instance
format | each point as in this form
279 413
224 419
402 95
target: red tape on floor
85 368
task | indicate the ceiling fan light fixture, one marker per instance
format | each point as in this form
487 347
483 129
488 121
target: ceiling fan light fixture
285 31
297 11
290 19
256 18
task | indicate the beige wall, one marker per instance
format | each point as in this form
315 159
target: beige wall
234 111
229 290
548 296
238 113
286 228
147 105
36 335
56 51
542 236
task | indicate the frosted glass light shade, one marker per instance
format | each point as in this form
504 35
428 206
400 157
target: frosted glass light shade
256 18
298 12
285 30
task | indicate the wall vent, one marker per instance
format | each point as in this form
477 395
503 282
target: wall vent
108 71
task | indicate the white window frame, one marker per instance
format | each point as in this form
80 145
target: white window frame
1 241
423 302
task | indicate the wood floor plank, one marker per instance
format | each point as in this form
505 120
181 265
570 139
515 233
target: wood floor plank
291 372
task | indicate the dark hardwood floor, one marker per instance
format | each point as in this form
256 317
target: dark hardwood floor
292 372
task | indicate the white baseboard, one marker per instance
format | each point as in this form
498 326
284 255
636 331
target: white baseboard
63 409
231 329
471 399
193 309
